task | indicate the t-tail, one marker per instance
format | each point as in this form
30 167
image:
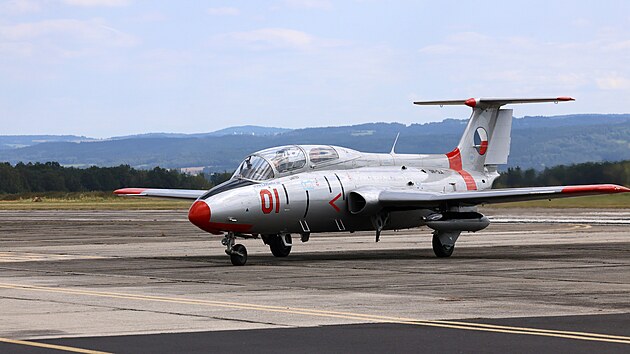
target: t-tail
486 140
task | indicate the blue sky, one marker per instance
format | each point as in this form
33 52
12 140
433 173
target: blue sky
114 67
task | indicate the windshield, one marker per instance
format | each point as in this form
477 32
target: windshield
285 158
254 168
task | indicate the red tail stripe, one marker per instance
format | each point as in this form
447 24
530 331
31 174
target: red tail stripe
455 163
470 181
454 160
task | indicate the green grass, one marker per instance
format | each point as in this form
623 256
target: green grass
621 201
87 201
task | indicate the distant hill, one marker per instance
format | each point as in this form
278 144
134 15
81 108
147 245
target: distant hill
240 130
17 141
537 142
247 130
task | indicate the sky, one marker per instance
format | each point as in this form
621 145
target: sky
104 68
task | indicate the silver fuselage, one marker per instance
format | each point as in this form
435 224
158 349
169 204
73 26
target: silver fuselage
315 199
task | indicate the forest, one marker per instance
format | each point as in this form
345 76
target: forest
584 173
52 177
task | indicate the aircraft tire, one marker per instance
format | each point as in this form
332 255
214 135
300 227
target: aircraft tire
238 255
440 250
277 247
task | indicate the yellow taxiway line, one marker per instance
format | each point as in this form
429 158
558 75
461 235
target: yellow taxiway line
335 314
50 346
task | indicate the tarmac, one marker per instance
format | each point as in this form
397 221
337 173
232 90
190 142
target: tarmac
148 281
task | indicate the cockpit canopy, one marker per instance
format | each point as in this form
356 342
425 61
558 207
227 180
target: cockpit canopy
283 160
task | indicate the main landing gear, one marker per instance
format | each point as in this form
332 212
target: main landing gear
444 242
237 252
279 244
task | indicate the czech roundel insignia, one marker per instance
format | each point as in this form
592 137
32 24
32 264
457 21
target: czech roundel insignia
481 141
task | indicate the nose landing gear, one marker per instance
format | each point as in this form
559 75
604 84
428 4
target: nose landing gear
237 252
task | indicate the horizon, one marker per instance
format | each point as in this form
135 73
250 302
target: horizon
298 128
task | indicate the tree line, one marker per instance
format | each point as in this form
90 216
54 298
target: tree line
584 173
52 177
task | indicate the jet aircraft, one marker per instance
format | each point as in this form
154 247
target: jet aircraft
307 189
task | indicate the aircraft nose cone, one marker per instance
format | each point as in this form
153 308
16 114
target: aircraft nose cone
199 215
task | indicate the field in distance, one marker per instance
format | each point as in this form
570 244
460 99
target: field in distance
108 201
87 201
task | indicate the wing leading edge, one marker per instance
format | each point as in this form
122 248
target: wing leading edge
418 199
493 102
162 193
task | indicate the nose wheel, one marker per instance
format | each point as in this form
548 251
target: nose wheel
238 255
237 252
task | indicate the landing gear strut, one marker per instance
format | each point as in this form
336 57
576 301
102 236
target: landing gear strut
379 221
444 242
280 245
237 252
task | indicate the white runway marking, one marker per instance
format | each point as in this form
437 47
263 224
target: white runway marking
11 257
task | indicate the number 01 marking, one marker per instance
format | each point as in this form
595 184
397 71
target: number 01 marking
268 201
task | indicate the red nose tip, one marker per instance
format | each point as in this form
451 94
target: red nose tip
199 214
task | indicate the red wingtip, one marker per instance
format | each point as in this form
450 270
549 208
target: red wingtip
130 191
565 98
471 102
596 188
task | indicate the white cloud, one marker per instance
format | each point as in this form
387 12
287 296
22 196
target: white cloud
526 64
275 38
88 31
613 82
55 40
90 3
19 6
223 11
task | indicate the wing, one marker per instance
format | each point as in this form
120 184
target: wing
403 199
163 193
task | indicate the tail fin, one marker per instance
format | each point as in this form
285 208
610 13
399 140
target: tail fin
486 140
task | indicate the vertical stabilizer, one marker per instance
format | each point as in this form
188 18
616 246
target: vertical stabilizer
486 140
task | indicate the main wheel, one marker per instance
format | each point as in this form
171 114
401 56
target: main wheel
238 256
277 247
441 250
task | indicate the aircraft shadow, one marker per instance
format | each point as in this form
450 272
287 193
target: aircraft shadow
466 254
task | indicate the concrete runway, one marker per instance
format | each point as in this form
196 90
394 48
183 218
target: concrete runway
148 281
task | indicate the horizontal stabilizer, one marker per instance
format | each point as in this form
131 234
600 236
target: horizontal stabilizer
493 102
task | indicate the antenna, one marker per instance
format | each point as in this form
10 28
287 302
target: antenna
394 146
